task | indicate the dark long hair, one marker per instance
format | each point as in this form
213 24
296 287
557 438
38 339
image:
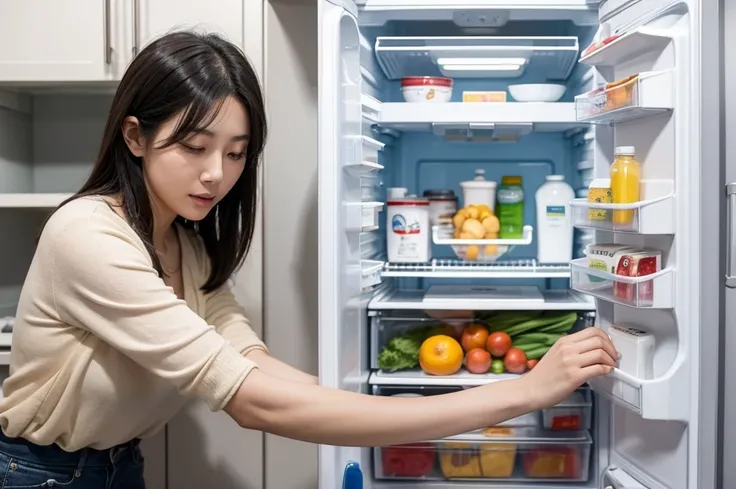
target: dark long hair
194 73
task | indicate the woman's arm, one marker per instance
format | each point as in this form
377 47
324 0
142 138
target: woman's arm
334 417
274 367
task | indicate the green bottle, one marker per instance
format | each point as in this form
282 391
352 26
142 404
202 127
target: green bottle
510 208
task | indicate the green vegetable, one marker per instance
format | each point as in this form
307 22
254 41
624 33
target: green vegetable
529 346
502 321
402 352
536 338
547 323
497 366
537 353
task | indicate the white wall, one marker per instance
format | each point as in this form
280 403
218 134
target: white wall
290 218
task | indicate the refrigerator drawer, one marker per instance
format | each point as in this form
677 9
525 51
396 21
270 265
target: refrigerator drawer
495 454
395 338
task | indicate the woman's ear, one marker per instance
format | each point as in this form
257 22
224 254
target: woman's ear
133 137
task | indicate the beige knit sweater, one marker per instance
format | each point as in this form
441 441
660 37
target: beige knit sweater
103 351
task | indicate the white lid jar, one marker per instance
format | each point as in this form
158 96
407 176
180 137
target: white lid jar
479 191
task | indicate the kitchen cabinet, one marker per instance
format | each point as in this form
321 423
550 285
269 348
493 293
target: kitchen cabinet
61 41
93 41
157 17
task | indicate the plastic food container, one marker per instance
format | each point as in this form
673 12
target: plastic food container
442 205
572 414
408 461
537 92
407 230
426 89
514 455
497 459
479 191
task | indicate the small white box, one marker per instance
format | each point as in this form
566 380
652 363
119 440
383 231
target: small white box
637 358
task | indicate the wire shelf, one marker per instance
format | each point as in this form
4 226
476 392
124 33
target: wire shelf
447 268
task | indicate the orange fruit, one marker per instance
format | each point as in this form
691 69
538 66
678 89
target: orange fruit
474 336
440 355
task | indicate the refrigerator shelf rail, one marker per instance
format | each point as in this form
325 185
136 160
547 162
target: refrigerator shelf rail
447 268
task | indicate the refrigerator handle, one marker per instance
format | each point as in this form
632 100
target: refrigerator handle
730 229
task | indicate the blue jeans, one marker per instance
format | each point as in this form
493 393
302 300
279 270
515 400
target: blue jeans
25 465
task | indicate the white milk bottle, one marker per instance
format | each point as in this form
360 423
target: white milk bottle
554 222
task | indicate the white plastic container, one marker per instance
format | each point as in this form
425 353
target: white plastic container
479 191
426 89
554 222
396 193
407 230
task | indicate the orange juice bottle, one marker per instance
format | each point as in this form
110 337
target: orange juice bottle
625 178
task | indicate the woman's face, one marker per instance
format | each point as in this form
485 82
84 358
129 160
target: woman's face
188 178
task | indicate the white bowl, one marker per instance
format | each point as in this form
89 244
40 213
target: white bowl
537 92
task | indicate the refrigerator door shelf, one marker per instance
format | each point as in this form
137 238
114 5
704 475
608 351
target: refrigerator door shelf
656 291
363 168
663 398
655 215
615 478
639 42
648 94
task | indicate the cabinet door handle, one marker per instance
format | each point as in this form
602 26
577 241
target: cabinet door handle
730 229
106 26
136 26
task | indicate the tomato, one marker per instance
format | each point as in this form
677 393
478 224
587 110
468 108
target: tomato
498 344
474 336
497 366
478 361
515 361
530 364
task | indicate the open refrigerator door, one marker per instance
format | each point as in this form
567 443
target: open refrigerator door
649 96
342 273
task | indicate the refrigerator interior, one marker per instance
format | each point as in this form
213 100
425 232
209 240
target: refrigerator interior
640 427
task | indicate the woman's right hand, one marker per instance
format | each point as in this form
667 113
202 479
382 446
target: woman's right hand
572 361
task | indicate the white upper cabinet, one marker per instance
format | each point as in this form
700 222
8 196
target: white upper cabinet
85 41
157 17
59 41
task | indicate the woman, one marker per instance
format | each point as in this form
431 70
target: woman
126 311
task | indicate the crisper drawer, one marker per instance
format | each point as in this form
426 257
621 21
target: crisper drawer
498 454
397 335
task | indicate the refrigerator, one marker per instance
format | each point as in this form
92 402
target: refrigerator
654 80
